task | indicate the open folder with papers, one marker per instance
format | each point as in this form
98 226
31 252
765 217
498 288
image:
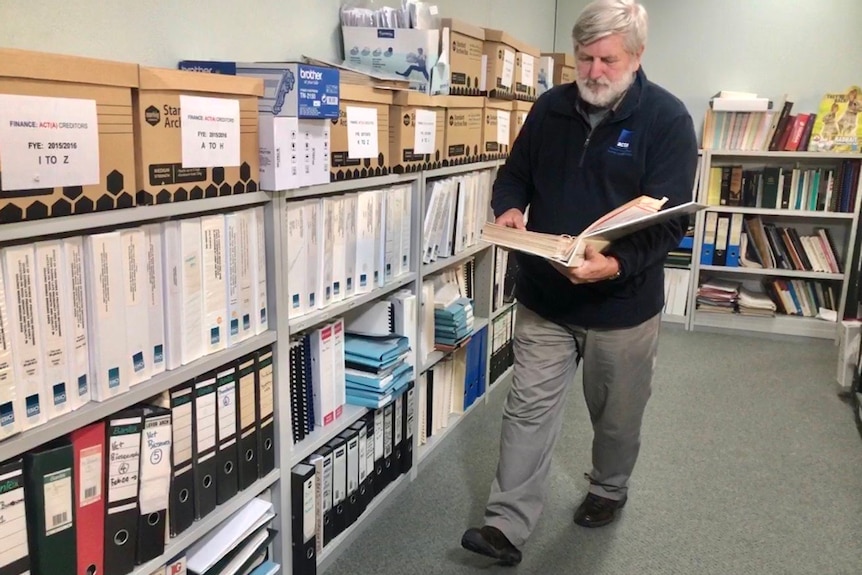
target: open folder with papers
635 215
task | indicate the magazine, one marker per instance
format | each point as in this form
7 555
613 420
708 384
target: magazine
837 127
635 215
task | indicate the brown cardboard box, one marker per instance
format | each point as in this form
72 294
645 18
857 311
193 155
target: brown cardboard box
402 132
526 72
343 167
501 66
520 109
466 48
496 135
110 84
564 68
158 137
464 117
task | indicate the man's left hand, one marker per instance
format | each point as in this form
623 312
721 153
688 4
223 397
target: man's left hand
595 267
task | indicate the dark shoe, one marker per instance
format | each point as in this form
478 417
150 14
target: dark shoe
491 542
597 511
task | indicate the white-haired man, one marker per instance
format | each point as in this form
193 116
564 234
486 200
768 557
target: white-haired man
585 149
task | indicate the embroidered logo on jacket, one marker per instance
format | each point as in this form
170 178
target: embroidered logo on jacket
623 147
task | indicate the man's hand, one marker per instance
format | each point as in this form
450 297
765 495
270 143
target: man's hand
595 267
513 218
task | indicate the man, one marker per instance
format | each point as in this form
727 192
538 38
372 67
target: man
585 149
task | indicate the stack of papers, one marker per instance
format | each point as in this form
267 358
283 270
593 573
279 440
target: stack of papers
376 369
755 303
718 296
453 324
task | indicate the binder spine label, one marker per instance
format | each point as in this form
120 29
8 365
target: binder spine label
247 416
205 415
214 285
124 460
156 464
226 408
309 508
58 501
13 547
77 340
327 482
181 411
91 475
267 397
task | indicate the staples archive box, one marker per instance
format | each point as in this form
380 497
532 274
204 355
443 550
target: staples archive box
496 129
359 138
500 56
406 52
463 138
466 57
564 68
196 135
526 72
520 109
66 135
416 132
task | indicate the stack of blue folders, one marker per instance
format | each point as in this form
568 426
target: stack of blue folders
454 323
375 368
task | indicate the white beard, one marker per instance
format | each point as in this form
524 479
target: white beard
602 92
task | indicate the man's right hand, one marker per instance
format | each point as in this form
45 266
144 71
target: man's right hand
513 218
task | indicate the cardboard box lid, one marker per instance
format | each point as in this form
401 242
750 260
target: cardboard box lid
498 104
463 101
62 68
182 81
530 49
521 106
561 59
464 28
492 35
354 93
418 99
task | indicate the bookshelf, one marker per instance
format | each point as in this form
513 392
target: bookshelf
803 211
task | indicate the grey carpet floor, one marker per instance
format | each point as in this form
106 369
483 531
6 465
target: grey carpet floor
750 464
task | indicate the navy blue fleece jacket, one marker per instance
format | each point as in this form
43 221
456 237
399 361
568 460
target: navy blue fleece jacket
570 175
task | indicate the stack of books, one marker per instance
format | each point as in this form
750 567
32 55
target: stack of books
718 296
376 369
453 324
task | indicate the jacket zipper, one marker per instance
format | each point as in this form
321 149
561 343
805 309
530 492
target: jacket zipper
584 152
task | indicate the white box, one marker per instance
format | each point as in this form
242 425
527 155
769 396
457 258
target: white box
155 297
20 274
9 424
106 317
280 166
136 287
77 341
214 283
51 304
314 147
408 52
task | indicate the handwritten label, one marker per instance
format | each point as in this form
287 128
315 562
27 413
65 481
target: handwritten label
156 465
508 68
362 132
210 132
48 142
426 132
124 463
58 501
503 127
528 68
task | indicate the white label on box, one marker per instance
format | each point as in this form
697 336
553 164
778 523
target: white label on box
508 68
528 68
58 501
362 132
503 127
426 132
91 475
210 132
156 465
48 142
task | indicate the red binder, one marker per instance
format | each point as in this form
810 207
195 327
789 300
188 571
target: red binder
88 446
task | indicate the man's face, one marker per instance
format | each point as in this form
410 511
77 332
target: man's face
605 69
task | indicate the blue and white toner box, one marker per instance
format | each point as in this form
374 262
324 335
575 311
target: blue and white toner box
290 89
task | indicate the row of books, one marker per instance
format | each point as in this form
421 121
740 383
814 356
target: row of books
341 246
333 487
735 240
106 497
455 210
797 297
86 318
776 187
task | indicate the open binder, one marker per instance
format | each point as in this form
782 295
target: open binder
635 215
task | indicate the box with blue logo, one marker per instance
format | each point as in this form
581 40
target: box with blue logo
405 52
291 89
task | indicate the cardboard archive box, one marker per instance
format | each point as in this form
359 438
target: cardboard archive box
463 140
500 53
186 155
496 129
520 109
364 115
526 72
417 132
61 164
564 70
466 57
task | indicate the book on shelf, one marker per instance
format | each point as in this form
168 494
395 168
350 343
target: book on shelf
637 214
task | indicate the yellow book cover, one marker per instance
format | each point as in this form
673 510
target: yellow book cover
837 127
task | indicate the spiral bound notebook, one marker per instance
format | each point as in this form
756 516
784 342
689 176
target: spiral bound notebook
377 319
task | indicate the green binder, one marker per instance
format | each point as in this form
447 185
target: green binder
49 500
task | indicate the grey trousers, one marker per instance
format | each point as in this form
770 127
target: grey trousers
618 370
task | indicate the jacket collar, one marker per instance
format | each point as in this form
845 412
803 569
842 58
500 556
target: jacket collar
568 102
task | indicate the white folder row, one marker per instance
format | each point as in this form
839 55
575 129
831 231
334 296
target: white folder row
345 245
675 291
455 210
86 318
